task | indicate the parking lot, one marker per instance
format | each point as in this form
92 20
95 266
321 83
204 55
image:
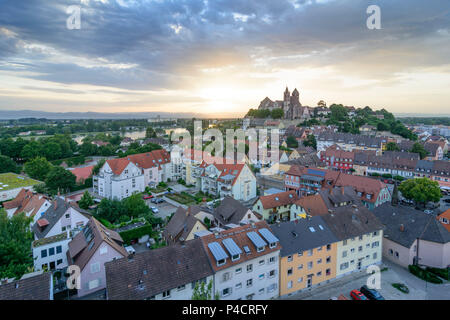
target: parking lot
165 209
418 289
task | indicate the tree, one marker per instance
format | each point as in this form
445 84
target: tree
310 141
86 200
150 133
291 142
203 292
98 166
7 165
135 206
60 179
277 113
38 168
321 103
418 148
421 190
392 146
15 244
52 150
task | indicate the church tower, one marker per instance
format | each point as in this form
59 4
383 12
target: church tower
287 95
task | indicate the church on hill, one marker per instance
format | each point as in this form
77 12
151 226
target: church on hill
290 104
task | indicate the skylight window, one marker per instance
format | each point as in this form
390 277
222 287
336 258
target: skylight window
312 229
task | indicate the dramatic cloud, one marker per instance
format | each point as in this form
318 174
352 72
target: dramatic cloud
223 55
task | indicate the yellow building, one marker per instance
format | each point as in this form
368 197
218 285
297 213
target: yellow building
308 254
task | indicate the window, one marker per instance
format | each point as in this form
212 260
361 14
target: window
289 272
272 274
235 257
261 262
261 291
328 259
310 265
260 249
289 285
360 248
51 251
58 249
59 262
375 244
95 267
300 280
238 270
344 254
352 262
249 268
360 238
375 233
396 254
319 249
103 250
93 284
238 285
319 274
261 276
249 282
391 252
44 253
300 254
328 247
328 272
300 267
221 262
226 276
310 252
344 266
166 294
289 258
319 261
344 243
182 287
352 250
272 287
374 255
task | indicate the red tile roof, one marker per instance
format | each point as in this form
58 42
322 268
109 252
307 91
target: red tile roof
446 215
278 199
82 173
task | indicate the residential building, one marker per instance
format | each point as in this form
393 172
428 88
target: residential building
29 202
82 173
236 180
360 236
168 273
349 142
308 254
245 262
120 178
182 227
51 253
336 158
232 211
444 219
60 217
32 286
11 184
412 236
276 206
90 250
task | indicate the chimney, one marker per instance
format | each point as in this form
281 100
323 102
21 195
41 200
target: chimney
342 190
402 228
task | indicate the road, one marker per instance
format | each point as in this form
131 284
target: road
165 209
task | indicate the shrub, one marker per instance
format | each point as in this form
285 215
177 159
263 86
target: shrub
424 274
132 234
401 287
106 223
443 273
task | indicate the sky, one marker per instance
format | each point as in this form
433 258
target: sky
224 56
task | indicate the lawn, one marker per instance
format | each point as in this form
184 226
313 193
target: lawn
182 198
9 181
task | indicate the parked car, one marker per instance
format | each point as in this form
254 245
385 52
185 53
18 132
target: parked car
428 211
147 197
157 200
357 295
372 294
154 209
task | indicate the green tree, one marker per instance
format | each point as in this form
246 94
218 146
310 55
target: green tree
418 148
98 166
38 168
291 142
15 244
421 190
7 165
86 200
392 146
310 141
203 292
60 179
52 150
135 206
277 113
150 133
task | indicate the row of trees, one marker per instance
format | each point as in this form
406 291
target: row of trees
416 148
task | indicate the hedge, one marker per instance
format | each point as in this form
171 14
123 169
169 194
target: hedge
424 274
443 273
129 235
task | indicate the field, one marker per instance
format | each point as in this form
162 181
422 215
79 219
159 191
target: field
9 181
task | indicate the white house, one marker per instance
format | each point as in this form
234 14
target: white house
51 253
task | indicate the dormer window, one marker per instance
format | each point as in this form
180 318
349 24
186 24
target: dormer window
221 262
272 245
235 257
260 249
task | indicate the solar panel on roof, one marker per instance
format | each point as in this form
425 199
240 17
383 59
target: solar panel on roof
231 246
316 172
217 251
246 249
256 239
270 238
